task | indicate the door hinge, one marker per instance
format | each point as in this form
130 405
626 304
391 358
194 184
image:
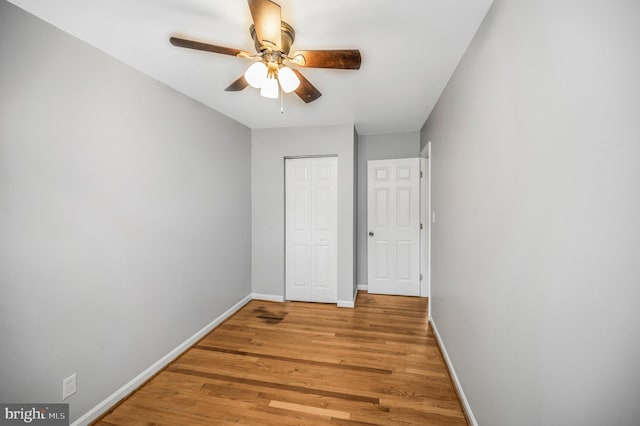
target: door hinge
421 173
421 226
420 277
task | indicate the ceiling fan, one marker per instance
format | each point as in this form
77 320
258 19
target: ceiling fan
273 39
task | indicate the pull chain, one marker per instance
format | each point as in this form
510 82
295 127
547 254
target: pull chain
281 101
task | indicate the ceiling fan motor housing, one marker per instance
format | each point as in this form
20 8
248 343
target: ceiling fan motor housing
288 37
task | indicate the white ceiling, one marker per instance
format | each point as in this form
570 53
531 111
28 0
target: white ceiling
409 50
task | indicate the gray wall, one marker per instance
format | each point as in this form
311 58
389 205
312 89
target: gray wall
536 186
124 216
377 147
269 148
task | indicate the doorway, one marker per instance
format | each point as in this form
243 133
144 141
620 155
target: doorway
311 231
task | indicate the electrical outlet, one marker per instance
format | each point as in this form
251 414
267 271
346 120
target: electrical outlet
69 386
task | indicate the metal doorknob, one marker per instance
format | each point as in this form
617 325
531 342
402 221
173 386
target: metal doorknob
370 234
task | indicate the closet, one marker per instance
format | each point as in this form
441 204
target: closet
311 222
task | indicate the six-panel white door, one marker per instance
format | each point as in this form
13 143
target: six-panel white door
311 217
393 219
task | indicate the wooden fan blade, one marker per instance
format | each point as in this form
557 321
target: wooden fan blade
199 45
306 90
237 85
338 59
267 21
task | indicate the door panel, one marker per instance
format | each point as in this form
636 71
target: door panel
403 260
381 259
311 221
300 265
321 266
301 205
322 204
403 207
393 192
382 174
381 212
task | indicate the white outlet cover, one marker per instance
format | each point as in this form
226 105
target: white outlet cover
69 386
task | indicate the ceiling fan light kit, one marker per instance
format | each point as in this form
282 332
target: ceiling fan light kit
289 81
270 88
273 39
256 74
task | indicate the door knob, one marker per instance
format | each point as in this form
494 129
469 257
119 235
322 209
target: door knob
370 234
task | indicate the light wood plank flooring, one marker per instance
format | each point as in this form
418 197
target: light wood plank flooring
305 364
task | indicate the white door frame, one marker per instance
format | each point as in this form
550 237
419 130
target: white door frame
425 218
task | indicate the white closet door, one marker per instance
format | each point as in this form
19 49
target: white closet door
393 217
311 229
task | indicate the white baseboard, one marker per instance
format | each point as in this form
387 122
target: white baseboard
346 304
456 382
363 287
141 378
267 297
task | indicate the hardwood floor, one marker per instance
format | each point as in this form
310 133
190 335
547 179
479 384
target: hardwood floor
305 364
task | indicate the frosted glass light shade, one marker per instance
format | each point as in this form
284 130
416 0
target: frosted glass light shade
256 75
270 88
289 81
